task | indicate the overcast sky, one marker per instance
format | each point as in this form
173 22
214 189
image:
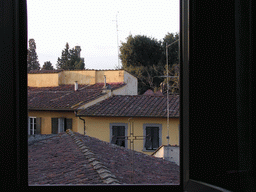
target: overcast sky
91 24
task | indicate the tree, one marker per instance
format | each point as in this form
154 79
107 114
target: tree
32 59
47 66
141 56
173 61
173 50
70 60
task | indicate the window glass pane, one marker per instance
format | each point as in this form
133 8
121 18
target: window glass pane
117 133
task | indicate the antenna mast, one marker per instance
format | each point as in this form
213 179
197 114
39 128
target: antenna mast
117 41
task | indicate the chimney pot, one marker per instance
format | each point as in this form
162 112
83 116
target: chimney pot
76 86
105 81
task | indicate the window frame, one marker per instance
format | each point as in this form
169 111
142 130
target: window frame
61 121
29 125
144 134
118 124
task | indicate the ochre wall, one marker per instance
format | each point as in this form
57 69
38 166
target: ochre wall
99 127
111 76
81 76
46 121
89 77
43 80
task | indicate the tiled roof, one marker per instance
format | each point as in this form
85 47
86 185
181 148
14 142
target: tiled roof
45 71
81 159
64 97
134 106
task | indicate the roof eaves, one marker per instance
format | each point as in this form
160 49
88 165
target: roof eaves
51 109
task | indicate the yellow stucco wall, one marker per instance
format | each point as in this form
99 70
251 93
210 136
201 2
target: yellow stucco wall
81 76
99 127
111 76
43 80
46 122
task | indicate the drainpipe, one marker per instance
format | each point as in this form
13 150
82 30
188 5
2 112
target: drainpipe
84 123
81 119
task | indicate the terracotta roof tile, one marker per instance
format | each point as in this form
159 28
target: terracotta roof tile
59 160
134 106
64 97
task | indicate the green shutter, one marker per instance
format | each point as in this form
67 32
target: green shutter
38 125
68 124
54 125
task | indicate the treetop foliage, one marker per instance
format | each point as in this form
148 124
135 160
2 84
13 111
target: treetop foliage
32 58
70 60
145 58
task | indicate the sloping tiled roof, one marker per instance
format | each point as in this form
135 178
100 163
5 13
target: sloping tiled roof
134 106
45 71
81 159
64 97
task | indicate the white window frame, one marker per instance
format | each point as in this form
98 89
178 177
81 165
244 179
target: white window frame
33 124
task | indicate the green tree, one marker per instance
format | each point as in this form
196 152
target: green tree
173 61
32 58
47 66
70 60
141 56
173 50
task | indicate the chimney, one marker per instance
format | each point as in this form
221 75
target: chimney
105 81
76 86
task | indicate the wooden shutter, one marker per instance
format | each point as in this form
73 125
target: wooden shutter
28 126
155 137
68 124
114 135
38 125
148 143
54 125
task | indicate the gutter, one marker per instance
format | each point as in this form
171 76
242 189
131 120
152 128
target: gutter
80 119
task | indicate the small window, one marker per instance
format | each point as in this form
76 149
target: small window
32 126
60 125
152 133
118 133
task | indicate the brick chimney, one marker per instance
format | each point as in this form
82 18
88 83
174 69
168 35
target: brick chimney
106 88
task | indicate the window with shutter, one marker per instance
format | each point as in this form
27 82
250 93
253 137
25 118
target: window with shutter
153 134
32 125
68 124
118 133
152 138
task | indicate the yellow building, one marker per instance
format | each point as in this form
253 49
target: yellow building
55 95
101 104
141 119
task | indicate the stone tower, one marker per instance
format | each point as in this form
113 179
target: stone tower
78 48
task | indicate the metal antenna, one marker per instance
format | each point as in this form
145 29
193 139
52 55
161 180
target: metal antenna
117 41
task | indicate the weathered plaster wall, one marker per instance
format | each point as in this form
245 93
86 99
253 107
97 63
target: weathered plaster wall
43 80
